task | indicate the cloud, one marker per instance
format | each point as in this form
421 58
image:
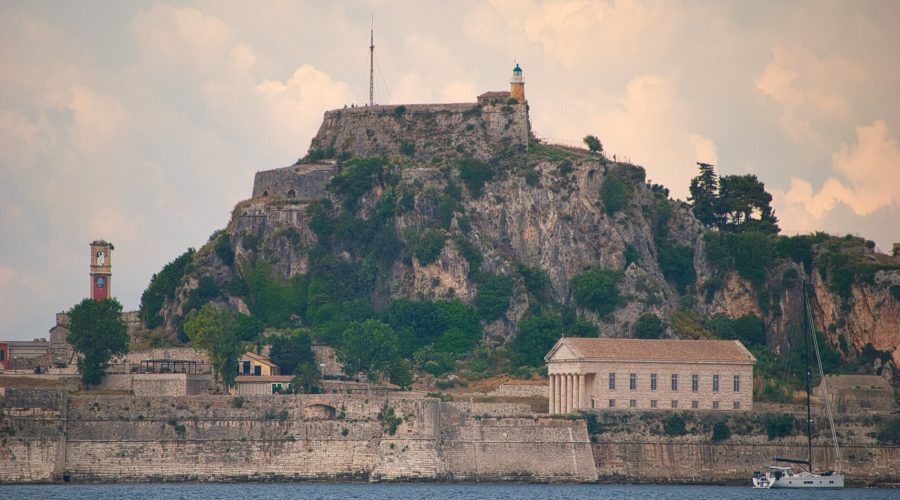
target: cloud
864 178
806 90
643 124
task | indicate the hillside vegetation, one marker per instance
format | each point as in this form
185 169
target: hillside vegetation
454 269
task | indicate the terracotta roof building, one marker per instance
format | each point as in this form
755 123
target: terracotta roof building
637 374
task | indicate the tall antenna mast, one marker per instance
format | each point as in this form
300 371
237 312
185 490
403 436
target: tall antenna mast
372 63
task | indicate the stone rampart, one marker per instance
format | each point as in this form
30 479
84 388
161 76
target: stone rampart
303 183
425 132
265 438
668 461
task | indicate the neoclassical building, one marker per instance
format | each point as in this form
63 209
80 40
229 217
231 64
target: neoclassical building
637 374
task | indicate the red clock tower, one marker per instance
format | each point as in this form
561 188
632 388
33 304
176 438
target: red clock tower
101 269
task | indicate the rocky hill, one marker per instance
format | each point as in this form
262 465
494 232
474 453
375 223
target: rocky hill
458 203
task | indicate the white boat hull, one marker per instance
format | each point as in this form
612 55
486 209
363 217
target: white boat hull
801 480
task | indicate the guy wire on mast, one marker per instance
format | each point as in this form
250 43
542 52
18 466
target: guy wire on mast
372 63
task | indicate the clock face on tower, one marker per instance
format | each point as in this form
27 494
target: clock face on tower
100 281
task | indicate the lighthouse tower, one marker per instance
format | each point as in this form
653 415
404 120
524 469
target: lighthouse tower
101 269
517 85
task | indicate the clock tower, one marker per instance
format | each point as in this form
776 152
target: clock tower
101 269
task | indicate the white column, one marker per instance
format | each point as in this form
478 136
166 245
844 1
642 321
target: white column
557 394
574 391
577 392
581 398
565 394
550 395
570 389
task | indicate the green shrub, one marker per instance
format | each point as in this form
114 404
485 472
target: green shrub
162 286
474 174
778 426
677 264
536 279
356 179
674 425
407 148
390 420
614 193
895 292
649 326
470 253
430 245
597 290
237 402
399 110
889 431
492 299
721 431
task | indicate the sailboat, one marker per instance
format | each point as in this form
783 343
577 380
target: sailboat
777 476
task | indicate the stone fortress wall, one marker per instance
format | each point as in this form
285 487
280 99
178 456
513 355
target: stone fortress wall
325 437
423 132
49 436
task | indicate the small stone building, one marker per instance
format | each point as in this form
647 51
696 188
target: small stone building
857 393
254 364
249 385
637 374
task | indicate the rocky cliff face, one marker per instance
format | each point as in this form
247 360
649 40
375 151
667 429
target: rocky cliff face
541 208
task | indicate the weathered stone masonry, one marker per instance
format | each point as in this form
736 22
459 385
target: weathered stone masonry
213 438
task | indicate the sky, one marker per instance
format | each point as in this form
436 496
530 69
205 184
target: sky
143 122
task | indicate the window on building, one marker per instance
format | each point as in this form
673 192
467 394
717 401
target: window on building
612 403
715 405
612 381
674 382
652 381
715 383
695 404
2 355
695 382
592 403
737 383
276 388
632 403
737 405
257 370
674 403
652 403
632 382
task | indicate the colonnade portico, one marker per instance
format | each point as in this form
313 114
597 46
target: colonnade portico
567 392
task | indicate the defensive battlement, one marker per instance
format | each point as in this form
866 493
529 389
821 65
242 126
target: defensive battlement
430 133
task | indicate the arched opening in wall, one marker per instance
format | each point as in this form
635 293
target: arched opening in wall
265 193
591 174
292 194
321 411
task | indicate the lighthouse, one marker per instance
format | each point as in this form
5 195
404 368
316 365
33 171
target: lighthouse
517 85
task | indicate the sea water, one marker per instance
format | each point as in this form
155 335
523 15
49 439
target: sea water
426 491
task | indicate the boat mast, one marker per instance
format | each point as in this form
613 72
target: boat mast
372 63
808 353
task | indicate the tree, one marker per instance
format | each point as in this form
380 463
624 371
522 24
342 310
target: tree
614 193
649 326
96 333
306 377
291 351
593 143
741 197
597 290
705 195
218 333
493 296
370 347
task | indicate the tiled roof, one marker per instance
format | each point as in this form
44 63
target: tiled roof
259 359
657 350
496 93
263 378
